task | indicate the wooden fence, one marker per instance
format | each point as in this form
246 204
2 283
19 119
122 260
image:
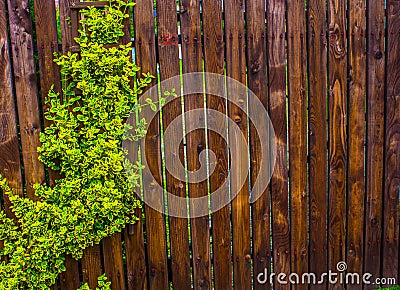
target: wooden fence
329 74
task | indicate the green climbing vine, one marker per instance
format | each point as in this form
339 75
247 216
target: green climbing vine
94 198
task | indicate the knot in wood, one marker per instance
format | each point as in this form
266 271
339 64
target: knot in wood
237 119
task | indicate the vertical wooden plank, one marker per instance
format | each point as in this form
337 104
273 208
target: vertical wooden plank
337 131
70 278
135 255
257 83
10 164
65 23
113 262
236 69
155 223
214 63
169 67
390 254
297 59
375 136
355 179
47 41
26 91
317 70
277 113
91 266
195 140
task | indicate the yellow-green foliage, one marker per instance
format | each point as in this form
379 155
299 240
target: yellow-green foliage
94 198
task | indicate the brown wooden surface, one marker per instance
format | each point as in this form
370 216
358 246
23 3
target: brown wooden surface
10 165
375 136
356 140
337 82
91 266
277 113
236 69
47 43
155 221
390 257
65 22
195 140
363 205
135 255
169 66
297 66
317 70
26 90
214 63
257 83
69 279
113 262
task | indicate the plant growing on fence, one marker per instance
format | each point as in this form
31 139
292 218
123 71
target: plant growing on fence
94 198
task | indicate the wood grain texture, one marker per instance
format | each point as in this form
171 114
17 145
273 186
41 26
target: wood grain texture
65 23
69 279
26 90
113 262
236 69
135 255
156 244
91 266
390 266
10 165
196 140
297 70
257 82
47 44
47 40
169 66
356 139
337 82
375 136
317 70
214 63
277 113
